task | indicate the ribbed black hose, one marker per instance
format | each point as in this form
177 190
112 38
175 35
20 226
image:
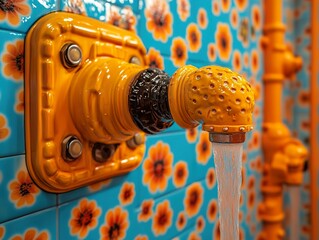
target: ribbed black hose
148 101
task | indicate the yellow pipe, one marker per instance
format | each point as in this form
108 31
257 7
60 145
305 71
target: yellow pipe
280 167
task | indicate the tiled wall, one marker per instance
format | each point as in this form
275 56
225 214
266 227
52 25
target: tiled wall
175 33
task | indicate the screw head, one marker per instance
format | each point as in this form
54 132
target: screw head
71 55
135 141
71 148
135 60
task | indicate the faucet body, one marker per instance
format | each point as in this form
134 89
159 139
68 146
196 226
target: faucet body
284 156
84 71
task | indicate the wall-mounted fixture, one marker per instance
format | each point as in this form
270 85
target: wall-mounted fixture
90 99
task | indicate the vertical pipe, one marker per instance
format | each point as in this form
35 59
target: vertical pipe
313 116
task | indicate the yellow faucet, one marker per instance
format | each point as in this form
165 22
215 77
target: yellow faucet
89 95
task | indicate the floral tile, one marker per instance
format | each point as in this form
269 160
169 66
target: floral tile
19 16
11 94
40 225
19 194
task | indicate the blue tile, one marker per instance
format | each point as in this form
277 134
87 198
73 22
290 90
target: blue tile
19 195
37 224
11 93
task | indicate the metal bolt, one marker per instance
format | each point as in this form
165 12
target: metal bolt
102 152
71 148
71 55
135 141
135 60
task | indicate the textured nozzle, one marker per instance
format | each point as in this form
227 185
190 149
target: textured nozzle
219 99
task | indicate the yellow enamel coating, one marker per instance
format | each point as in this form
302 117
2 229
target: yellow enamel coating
214 96
284 155
104 113
55 108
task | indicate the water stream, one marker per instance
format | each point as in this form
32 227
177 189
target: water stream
228 163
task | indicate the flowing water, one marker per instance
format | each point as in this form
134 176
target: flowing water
294 194
228 163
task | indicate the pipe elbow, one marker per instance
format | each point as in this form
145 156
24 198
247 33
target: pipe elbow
219 99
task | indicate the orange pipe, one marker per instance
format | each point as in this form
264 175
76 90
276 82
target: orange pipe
280 166
314 117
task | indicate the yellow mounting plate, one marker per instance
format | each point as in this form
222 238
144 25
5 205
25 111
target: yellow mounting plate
47 115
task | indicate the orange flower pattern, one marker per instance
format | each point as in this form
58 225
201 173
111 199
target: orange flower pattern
146 210
237 62
13 60
19 107
159 20
191 134
84 218
202 18
203 148
215 8
211 52
183 9
158 167
224 41
193 199
194 37
4 130
23 191
116 224
200 224
180 174
212 210
179 52
32 234
162 219
181 221
211 178
254 61
155 60
12 10
256 17
225 5
241 4
123 18
234 18
127 193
